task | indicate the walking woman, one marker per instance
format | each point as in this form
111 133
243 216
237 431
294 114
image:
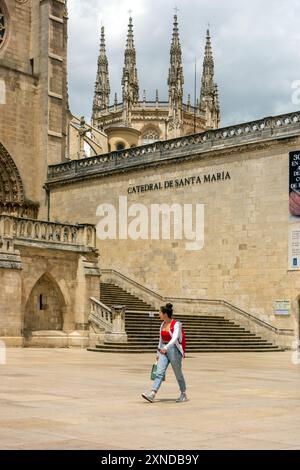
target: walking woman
170 350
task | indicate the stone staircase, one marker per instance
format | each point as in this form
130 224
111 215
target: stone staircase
203 333
114 295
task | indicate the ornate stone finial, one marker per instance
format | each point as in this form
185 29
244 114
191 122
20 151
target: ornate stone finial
209 102
102 87
175 81
130 84
116 99
144 95
156 97
189 100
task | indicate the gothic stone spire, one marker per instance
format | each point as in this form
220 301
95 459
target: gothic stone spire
102 88
209 100
130 84
175 80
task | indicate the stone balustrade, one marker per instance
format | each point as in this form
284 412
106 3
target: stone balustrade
255 131
51 232
112 320
101 315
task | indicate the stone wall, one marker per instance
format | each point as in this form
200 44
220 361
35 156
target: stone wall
34 99
245 255
46 283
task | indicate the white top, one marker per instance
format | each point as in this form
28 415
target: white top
176 338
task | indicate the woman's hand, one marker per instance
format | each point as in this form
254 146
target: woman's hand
163 351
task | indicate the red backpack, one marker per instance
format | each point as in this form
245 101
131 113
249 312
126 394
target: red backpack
183 337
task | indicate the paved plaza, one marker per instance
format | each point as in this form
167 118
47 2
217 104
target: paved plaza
75 399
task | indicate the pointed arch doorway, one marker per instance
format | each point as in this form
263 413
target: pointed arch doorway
45 307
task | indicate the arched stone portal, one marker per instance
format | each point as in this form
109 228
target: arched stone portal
12 198
45 307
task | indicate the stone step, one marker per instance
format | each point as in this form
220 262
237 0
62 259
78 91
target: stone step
140 319
202 340
137 315
119 299
188 331
185 323
131 305
197 336
186 327
123 297
198 350
205 341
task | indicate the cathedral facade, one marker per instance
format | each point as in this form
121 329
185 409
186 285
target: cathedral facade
244 265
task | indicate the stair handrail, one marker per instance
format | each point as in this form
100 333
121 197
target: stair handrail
232 307
100 314
135 283
279 331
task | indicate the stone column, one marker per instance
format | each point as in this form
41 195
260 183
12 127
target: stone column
118 334
87 285
10 295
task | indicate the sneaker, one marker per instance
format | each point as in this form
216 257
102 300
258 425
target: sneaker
182 398
149 396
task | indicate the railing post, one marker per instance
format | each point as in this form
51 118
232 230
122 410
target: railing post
118 334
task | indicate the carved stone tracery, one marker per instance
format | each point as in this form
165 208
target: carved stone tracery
12 198
3 25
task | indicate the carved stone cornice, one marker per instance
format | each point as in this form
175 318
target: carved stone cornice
263 134
90 170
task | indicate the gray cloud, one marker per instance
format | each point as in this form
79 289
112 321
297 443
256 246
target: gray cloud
255 44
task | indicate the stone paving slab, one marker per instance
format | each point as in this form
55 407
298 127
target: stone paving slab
75 399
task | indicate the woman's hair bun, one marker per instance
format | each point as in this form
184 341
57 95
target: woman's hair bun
168 309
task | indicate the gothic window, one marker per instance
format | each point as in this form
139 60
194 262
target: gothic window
150 135
2 26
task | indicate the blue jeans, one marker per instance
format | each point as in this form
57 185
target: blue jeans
174 357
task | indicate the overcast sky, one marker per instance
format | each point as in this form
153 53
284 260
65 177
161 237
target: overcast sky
256 46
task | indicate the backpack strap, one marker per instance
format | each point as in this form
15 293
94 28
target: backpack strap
173 322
